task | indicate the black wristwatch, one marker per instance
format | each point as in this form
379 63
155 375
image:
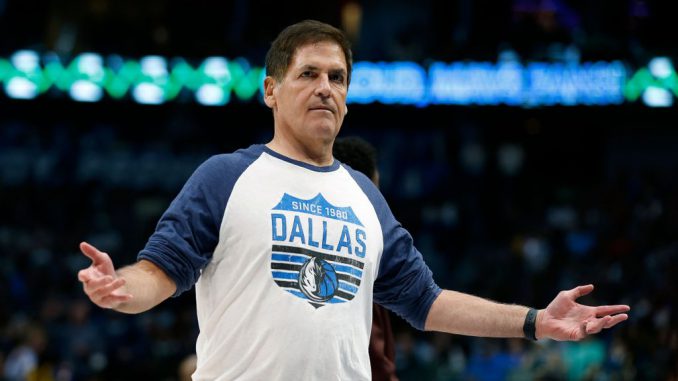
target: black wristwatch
529 327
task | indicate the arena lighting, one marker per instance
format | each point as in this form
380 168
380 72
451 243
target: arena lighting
217 81
148 93
657 97
216 93
247 81
21 88
537 84
396 82
661 68
26 61
85 91
211 95
151 81
26 65
91 66
480 83
656 84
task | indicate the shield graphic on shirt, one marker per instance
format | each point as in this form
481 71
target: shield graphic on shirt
317 251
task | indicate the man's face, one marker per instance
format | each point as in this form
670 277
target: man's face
309 104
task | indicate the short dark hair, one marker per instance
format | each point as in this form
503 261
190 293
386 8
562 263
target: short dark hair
284 47
357 153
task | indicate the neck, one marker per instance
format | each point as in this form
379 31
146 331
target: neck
319 155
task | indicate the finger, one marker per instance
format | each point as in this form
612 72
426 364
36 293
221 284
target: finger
84 275
89 274
581 333
108 289
596 325
611 310
94 284
616 319
579 291
113 301
92 253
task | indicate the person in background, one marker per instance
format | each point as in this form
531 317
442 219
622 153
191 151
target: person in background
186 367
360 155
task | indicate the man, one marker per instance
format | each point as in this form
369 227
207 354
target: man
287 249
362 157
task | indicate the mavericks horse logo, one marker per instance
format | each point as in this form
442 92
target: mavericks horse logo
318 280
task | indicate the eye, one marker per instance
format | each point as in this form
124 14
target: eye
307 74
339 78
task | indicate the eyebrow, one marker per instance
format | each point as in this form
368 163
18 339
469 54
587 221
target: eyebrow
308 67
315 68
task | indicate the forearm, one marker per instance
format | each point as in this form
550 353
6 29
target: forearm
148 285
464 314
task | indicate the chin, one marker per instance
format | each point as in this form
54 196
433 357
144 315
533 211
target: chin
325 129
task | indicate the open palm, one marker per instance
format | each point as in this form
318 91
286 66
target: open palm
565 319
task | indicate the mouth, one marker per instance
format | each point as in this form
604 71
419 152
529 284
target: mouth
322 108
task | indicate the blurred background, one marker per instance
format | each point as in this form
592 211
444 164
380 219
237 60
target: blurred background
528 145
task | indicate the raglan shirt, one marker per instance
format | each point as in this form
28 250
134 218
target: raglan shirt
286 259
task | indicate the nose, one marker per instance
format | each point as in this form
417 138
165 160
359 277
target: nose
322 88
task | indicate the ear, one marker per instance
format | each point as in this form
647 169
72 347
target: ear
345 109
269 96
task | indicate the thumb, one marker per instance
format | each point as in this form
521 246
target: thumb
579 291
99 258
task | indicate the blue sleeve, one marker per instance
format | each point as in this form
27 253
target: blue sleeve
405 284
188 232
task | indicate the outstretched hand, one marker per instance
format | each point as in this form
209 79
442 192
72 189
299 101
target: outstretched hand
564 319
100 282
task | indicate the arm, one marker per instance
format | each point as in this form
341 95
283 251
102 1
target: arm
464 314
132 289
178 250
563 319
405 285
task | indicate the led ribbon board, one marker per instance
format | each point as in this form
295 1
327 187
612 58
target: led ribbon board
217 81
150 80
